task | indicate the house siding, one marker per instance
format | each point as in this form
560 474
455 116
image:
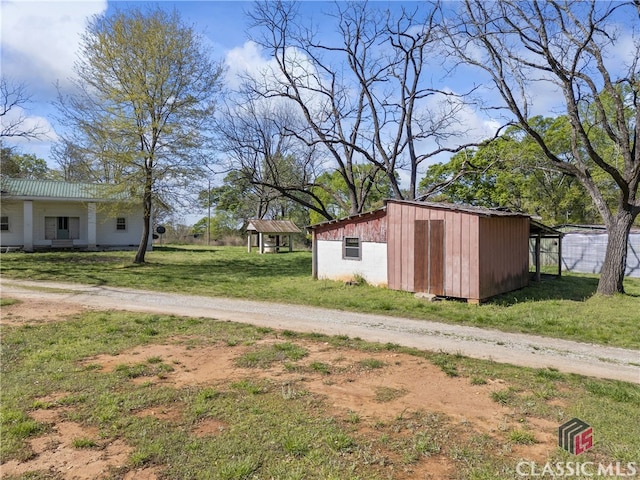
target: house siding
14 236
106 234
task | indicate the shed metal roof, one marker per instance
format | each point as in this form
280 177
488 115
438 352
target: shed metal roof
480 211
455 207
273 226
51 189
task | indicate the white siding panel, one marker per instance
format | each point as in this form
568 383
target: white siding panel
14 237
372 266
108 235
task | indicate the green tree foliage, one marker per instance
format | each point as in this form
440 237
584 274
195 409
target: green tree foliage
512 172
220 225
142 111
333 192
238 200
23 165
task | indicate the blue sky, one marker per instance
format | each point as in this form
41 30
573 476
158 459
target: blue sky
39 41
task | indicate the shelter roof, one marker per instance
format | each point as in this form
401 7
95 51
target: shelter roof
536 228
273 226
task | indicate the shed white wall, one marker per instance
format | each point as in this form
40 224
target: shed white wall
584 253
372 266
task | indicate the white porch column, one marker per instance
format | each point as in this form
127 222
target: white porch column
91 226
28 226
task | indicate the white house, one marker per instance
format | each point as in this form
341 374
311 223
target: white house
41 214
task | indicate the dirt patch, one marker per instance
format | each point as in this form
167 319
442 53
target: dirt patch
372 386
32 311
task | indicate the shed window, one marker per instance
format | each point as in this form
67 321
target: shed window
351 248
121 223
4 223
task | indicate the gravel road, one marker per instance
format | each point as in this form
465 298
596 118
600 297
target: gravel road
518 349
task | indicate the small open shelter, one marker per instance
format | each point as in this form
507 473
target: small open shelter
270 236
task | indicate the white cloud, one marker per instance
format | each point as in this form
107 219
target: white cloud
40 39
244 60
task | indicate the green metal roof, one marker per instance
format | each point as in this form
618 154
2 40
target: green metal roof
29 188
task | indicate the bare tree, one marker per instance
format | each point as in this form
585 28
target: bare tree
366 99
254 135
565 45
13 121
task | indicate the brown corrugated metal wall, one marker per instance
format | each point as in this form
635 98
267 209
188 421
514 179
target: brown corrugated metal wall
483 256
504 259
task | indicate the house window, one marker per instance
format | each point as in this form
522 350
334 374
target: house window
121 223
4 223
351 248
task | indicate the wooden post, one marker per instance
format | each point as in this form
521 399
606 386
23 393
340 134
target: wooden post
314 255
261 242
538 276
559 256
290 244
249 241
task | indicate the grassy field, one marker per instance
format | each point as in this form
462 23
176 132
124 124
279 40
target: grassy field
564 308
270 432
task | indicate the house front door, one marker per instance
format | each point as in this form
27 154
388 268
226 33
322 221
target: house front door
429 257
63 228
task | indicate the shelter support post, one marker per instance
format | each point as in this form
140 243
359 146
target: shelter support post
290 244
559 256
314 255
249 242
261 242
538 242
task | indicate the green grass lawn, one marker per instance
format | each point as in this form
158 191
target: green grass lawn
271 432
564 308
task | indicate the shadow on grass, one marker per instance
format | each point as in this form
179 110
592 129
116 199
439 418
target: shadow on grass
567 287
169 248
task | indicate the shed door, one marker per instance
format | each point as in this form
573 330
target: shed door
429 256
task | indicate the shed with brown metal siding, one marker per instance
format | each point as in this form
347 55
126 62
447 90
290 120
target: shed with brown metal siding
456 251
444 249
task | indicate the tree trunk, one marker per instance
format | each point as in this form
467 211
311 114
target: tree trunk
146 222
615 260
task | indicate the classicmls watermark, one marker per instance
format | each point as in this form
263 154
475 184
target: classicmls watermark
578 469
576 437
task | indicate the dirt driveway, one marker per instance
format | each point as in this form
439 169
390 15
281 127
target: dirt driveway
517 349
